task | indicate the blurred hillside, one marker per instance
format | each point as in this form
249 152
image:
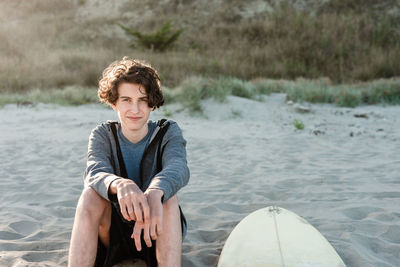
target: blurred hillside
55 43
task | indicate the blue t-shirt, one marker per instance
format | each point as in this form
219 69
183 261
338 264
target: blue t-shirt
133 153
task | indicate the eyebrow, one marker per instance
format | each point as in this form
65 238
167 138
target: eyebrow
128 97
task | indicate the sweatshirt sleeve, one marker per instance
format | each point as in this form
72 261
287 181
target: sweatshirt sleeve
99 172
175 172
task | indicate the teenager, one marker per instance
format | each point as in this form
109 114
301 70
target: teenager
135 167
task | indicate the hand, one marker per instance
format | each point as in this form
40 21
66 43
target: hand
156 211
154 227
137 231
133 203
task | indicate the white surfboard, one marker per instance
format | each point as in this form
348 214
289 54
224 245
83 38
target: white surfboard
275 237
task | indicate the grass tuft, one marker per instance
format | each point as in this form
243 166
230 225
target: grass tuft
239 87
195 89
236 113
298 124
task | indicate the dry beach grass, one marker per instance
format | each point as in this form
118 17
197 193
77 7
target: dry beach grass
51 44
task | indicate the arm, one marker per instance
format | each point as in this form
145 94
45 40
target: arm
100 171
100 176
175 173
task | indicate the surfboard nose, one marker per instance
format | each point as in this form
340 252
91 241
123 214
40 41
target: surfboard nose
274 236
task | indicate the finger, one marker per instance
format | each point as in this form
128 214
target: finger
137 229
146 235
153 233
130 211
146 211
138 212
123 211
159 227
138 244
133 216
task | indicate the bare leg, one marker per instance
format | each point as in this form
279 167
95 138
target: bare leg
92 220
169 243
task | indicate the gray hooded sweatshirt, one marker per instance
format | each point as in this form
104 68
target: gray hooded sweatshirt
103 166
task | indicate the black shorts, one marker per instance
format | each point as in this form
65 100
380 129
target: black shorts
122 246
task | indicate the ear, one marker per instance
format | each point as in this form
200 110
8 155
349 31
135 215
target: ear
114 107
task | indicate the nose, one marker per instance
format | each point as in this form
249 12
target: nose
134 107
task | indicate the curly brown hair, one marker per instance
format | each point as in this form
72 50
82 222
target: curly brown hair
130 71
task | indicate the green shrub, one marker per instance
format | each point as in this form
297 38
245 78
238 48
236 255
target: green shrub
160 40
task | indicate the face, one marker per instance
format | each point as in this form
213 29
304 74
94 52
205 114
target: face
132 108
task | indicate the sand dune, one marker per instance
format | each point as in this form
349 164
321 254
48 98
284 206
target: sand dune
341 173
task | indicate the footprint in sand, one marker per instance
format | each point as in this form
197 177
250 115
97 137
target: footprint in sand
359 213
24 228
210 236
40 256
5 235
392 234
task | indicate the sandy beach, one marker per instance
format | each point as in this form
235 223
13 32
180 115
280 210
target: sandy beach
341 173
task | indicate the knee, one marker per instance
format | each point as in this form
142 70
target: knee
172 203
91 204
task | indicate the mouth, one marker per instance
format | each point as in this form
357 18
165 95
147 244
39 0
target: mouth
134 118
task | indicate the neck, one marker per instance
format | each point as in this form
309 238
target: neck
135 136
